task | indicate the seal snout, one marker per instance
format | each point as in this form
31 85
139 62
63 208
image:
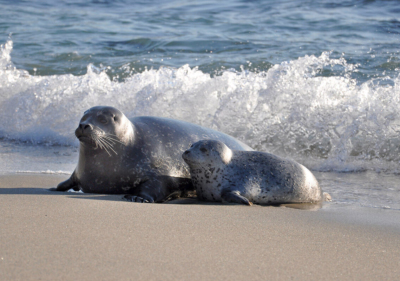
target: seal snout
189 157
185 155
85 127
83 130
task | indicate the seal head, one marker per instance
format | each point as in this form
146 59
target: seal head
202 151
102 127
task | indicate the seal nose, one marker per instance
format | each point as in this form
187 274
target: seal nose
84 127
186 152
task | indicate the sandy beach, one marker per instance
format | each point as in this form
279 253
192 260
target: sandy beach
73 236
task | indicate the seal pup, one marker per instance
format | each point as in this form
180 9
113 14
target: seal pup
139 157
245 177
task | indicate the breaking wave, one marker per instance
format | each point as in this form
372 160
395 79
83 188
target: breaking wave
329 122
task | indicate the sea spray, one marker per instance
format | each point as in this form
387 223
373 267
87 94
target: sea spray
294 109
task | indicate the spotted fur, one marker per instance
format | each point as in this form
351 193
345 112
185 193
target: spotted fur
221 174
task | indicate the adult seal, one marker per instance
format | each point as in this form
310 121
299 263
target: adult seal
245 177
139 157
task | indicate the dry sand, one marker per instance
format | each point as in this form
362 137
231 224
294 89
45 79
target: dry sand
70 236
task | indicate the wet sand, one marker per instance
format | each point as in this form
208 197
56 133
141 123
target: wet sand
72 236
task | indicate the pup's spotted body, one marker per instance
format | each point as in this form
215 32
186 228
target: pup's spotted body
221 174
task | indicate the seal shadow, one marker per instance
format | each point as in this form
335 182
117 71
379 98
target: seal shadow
28 191
120 197
195 201
298 206
303 206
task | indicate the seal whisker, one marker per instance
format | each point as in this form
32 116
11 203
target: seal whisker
102 142
94 138
99 143
107 142
103 145
107 146
113 138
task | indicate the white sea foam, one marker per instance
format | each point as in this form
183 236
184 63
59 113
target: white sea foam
47 172
327 123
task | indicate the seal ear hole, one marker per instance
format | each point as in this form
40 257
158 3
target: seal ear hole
115 118
203 149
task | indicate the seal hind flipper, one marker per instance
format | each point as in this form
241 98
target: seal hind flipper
326 197
234 197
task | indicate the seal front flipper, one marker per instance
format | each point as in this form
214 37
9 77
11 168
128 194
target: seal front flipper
143 198
159 189
145 192
234 197
67 184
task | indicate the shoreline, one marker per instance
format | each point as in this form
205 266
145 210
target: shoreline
48 235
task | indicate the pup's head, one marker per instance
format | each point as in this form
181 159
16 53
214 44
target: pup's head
207 152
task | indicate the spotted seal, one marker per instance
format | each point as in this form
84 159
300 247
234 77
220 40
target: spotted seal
140 157
245 177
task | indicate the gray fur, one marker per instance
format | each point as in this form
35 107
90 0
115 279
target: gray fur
221 174
139 157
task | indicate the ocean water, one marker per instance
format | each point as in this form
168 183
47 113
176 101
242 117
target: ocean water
314 81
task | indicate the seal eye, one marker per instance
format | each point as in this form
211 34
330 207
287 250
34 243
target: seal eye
103 121
204 150
115 118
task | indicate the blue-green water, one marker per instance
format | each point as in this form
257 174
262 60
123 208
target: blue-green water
315 81
59 37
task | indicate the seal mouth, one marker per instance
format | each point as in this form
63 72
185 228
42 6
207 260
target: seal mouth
82 137
85 139
99 139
